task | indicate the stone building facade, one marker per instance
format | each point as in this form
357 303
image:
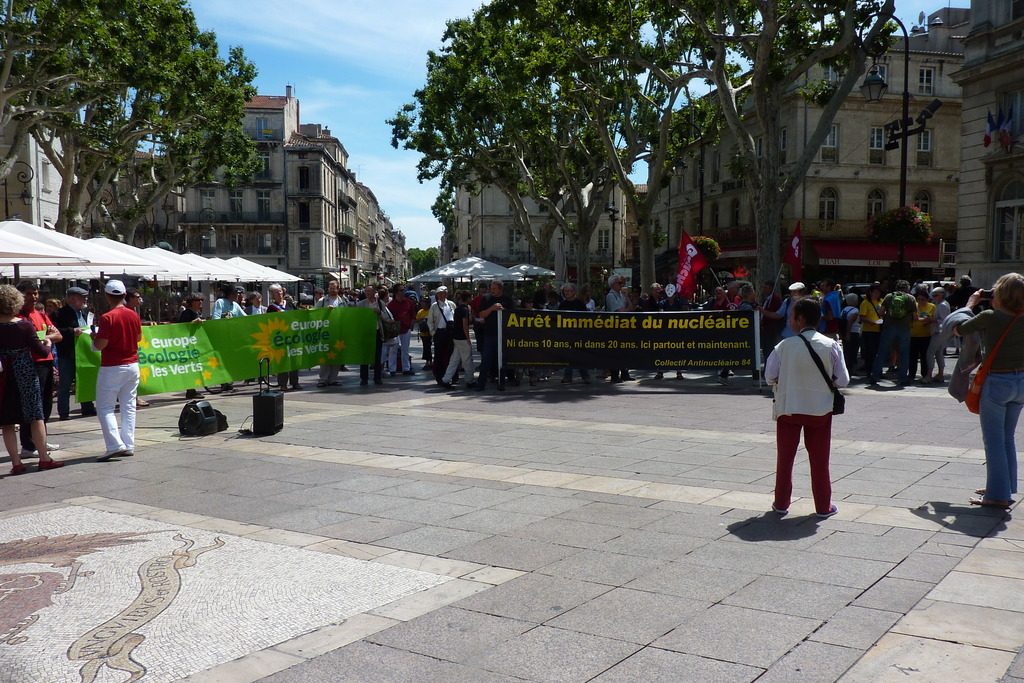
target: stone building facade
990 239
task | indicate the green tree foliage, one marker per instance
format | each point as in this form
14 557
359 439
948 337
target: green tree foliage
495 111
422 260
97 82
756 53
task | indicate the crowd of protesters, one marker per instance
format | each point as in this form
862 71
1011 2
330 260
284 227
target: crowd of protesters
904 332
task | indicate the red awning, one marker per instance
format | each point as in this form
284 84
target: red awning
874 254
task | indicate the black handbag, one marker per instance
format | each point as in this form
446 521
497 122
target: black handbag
838 400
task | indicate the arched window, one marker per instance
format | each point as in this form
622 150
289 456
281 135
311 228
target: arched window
1009 217
876 203
735 212
828 205
923 200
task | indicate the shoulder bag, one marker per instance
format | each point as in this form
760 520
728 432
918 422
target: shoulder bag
838 400
973 399
390 327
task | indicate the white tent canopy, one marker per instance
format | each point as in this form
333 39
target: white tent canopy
15 250
171 268
262 273
95 254
530 270
474 267
428 276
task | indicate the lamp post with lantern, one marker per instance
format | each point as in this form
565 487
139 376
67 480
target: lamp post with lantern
899 132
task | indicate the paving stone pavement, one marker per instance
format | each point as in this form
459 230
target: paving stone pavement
558 533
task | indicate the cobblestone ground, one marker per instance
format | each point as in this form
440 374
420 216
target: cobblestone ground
552 533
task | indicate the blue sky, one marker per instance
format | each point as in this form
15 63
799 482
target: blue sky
353 64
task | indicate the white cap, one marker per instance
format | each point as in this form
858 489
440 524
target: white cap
442 288
797 286
115 287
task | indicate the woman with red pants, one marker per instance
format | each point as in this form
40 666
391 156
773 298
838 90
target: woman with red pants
803 402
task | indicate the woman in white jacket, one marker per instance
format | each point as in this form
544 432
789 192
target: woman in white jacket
803 402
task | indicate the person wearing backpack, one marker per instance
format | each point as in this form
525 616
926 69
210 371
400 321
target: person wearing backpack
898 312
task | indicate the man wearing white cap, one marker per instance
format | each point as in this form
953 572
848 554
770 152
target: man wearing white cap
117 339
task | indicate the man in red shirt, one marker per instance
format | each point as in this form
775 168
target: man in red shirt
403 310
117 339
43 364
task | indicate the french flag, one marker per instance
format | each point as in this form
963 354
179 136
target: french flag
1006 129
989 129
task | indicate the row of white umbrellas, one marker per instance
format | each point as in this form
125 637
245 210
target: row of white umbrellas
476 268
30 251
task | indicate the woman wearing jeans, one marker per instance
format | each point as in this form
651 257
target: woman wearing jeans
1002 396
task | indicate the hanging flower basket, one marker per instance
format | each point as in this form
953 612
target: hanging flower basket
708 247
902 224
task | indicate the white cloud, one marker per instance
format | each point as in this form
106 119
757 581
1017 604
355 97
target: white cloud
387 38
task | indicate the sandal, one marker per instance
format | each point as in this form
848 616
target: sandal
990 503
321 385
139 403
980 492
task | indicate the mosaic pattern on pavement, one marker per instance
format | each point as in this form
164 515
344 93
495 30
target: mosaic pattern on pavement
88 595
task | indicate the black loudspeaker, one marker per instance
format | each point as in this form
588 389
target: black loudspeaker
267 406
268 412
198 418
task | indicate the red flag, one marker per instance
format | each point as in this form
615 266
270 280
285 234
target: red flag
1006 129
691 262
793 254
990 127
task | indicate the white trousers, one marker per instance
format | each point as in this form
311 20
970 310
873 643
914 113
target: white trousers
117 384
461 353
393 351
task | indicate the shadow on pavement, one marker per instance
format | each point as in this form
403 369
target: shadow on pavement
769 526
968 520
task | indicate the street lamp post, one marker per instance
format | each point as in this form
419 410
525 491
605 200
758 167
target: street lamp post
899 132
25 196
613 214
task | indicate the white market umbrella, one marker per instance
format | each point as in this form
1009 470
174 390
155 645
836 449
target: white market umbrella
474 267
168 267
16 250
219 269
530 270
263 273
428 276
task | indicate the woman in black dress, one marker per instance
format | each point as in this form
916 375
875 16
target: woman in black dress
20 400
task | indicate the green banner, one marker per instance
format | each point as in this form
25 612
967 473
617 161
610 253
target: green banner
192 355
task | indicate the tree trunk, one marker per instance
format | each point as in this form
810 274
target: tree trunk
647 277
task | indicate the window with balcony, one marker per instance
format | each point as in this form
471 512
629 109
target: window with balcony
876 146
263 129
264 243
926 81
304 249
235 198
876 203
828 204
716 166
830 147
924 148
514 240
1009 216
604 240
1013 106
236 243
207 199
923 200
264 172
263 205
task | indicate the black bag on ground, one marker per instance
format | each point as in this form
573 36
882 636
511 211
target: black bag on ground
199 418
